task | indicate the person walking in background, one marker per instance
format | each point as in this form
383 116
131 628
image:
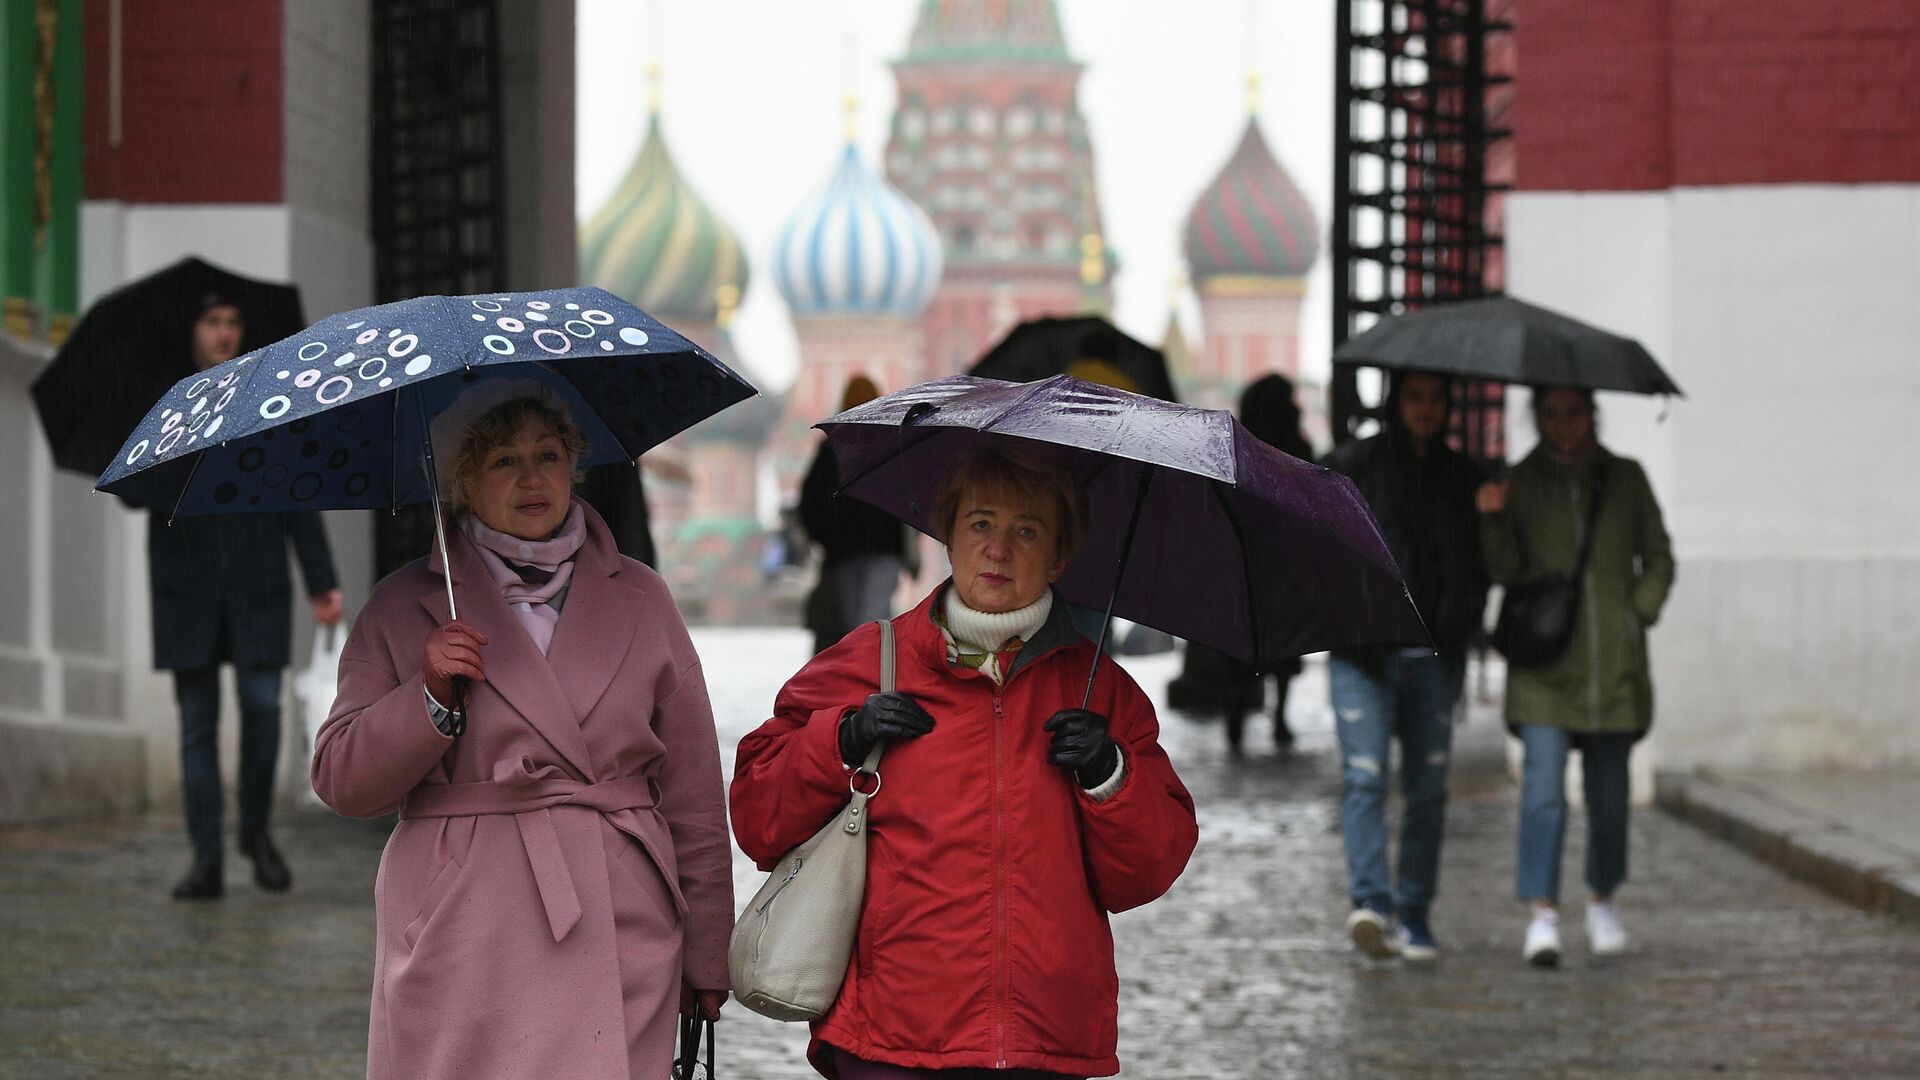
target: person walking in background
559 886
1014 820
1210 680
1422 492
222 595
1597 697
864 547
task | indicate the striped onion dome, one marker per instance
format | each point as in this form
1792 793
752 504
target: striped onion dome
1252 220
857 247
655 242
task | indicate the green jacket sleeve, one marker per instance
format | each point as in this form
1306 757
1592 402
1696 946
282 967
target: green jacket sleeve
1655 552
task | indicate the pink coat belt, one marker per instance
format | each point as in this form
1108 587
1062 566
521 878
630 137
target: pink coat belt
530 804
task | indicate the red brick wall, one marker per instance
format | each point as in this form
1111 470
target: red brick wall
1649 94
200 102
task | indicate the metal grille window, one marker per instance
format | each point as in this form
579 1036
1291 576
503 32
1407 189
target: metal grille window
439 207
1416 211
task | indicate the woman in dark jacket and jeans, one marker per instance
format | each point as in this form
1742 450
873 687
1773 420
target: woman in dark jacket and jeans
864 549
1422 492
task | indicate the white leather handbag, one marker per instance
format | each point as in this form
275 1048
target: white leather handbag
791 945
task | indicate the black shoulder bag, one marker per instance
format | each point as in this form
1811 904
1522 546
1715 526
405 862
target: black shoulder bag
1537 618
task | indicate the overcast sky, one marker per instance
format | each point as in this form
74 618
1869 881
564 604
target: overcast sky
752 92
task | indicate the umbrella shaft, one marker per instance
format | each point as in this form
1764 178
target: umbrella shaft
1126 548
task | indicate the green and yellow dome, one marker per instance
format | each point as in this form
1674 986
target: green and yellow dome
657 244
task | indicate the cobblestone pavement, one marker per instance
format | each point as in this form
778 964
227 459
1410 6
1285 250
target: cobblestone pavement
1240 972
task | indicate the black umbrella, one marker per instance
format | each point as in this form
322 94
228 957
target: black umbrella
1086 347
1508 340
135 343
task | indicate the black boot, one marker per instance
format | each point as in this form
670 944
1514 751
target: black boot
1236 733
206 881
269 870
1282 734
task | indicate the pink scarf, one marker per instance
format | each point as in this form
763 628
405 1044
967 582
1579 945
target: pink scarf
530 573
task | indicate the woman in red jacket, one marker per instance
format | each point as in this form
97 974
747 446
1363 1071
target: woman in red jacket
1012 820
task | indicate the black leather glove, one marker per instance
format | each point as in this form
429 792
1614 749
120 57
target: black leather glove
891 716
1081 744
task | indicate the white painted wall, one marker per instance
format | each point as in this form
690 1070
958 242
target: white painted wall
1789 315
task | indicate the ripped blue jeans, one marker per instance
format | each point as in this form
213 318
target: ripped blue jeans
1410 696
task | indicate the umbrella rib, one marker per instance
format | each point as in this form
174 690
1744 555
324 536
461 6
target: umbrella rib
1246 569
181 498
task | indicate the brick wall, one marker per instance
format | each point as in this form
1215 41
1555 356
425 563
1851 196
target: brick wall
1651 94
198 102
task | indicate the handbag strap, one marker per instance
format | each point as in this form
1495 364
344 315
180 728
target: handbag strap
886 685
686 1063
1593 519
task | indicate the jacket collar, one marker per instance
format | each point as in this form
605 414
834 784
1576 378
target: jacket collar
921 633
555 692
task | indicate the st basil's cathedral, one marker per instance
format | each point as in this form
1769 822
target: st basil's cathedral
983 214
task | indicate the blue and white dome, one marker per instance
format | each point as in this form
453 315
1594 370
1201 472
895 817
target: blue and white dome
858 247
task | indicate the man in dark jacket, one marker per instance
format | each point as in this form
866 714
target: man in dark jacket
1422 492
222 594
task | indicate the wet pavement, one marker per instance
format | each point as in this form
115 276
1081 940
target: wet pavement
1241 971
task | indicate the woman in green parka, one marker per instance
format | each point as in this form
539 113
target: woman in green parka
1597 697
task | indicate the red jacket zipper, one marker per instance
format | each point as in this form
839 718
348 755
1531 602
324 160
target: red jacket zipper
1000 960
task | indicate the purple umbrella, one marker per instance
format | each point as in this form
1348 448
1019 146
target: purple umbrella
1232 543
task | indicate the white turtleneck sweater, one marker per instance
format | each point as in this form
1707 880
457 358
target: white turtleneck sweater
985 632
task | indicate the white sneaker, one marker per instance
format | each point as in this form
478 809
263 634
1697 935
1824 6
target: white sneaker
1605 935
1543 940
1372 933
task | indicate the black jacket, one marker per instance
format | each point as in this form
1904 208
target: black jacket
842 525
221 591
1426 514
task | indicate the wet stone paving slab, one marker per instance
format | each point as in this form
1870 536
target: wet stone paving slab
1241 971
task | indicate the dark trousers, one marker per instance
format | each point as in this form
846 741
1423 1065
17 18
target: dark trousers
198 692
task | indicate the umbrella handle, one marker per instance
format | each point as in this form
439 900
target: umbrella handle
1126 548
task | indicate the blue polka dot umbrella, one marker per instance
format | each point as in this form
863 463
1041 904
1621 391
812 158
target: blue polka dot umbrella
337 416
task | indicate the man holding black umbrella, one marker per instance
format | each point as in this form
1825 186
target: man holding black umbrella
221 594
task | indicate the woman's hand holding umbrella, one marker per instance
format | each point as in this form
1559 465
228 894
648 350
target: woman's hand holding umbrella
1081 745
453 652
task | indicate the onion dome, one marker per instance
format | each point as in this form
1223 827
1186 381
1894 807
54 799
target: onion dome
857 247
656 244
1252 221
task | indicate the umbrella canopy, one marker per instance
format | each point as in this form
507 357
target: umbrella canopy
1086 346
1238 545
336 416
134 343
1508 340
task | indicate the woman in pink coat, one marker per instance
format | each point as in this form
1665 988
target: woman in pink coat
559 885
